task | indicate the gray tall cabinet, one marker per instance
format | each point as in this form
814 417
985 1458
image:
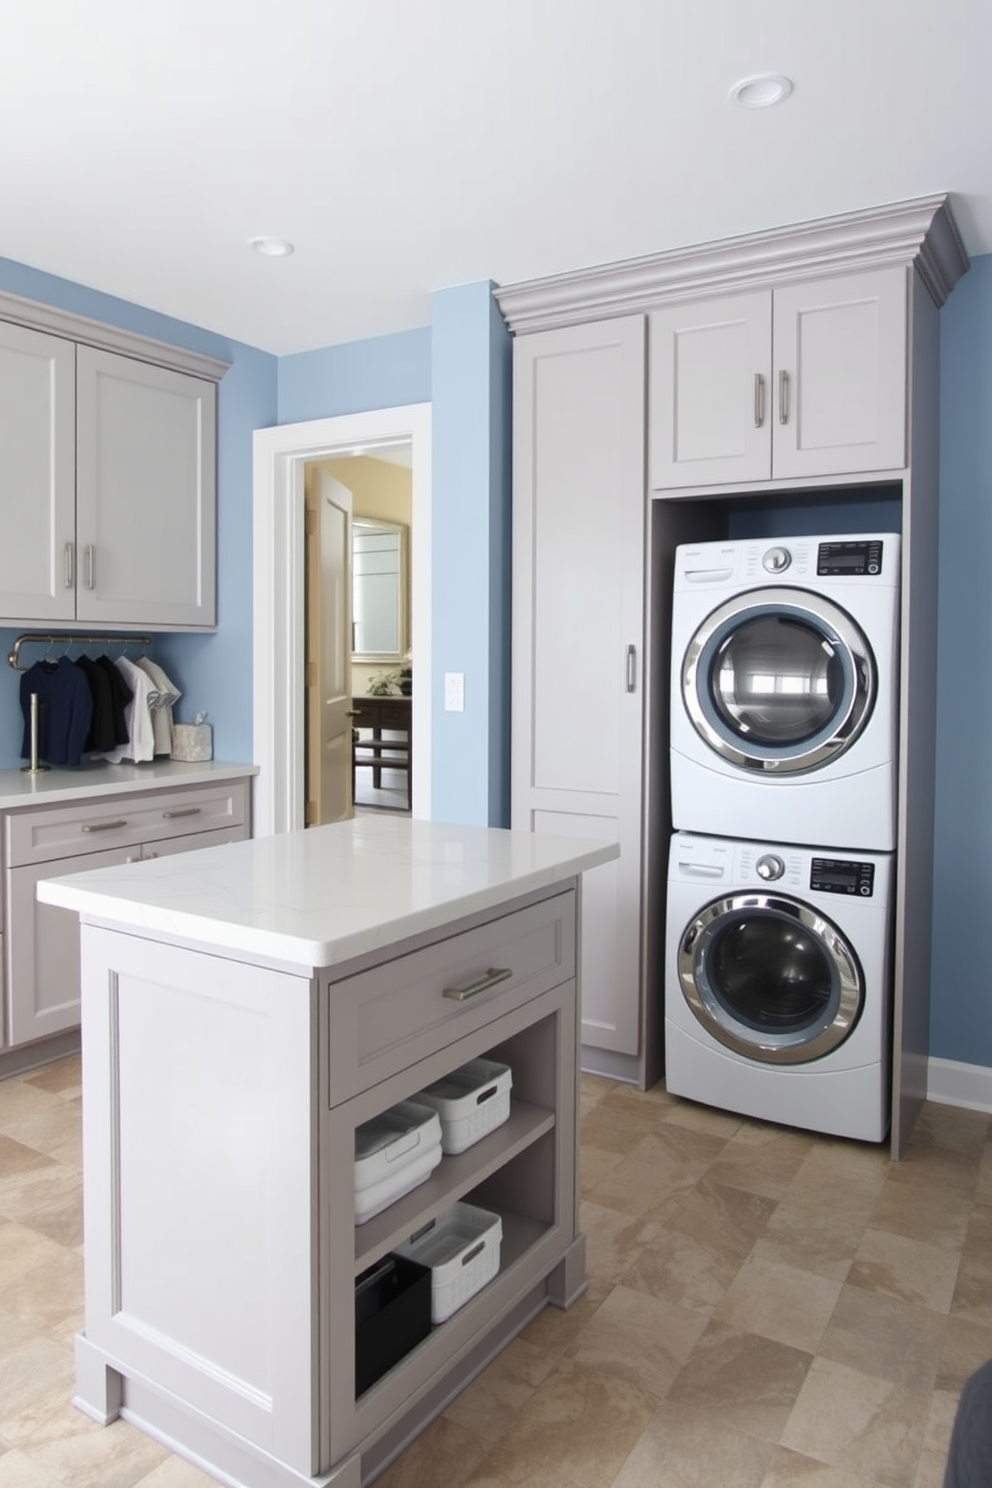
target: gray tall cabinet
710 392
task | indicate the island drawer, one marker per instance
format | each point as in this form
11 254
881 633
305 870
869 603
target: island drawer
383 1020
47 833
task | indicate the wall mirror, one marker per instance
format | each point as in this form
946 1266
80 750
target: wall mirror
379 577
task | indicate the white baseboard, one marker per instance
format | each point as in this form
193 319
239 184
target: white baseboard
952 1084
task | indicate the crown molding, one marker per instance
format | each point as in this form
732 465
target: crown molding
920 232
81 328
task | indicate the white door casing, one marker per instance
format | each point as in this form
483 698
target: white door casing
280 455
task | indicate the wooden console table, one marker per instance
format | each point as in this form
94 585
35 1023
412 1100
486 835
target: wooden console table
394 714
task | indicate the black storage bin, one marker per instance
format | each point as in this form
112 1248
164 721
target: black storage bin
392 1315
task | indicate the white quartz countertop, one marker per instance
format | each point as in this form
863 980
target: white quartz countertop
100 778
322 896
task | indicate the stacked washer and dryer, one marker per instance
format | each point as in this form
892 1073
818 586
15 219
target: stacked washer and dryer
778 980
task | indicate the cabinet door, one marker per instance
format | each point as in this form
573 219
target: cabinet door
37 473
43 949
710 392
578 634
840 353
146 494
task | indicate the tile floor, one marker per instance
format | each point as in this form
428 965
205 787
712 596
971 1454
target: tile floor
765 1308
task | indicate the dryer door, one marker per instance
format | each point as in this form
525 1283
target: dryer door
779 680
770 978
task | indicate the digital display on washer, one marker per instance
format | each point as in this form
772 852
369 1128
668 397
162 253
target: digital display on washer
842 876
849 558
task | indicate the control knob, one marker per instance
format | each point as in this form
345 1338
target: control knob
770 867
777 560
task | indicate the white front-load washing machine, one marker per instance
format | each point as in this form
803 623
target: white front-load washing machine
784 717
778 982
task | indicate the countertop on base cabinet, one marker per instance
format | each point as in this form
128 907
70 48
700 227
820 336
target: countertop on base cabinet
242 1016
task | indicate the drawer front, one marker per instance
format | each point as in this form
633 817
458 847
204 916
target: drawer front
383 1020
37 836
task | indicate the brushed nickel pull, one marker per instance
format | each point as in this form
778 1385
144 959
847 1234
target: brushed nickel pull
631 673
186 811
491 978
89 565
104 826
70 564
353 712
783 397
759 400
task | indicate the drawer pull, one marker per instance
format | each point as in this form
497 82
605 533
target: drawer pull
104 826
492 976
186 811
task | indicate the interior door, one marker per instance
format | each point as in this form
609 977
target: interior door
328 649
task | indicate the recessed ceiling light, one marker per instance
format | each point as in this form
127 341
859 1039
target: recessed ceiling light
271 247
761 91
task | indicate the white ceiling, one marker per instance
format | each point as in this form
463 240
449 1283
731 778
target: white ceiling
409 145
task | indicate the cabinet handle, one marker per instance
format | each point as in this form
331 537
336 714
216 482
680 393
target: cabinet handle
186 811
492 976
783 397
89 565
759 400
104 826
70 564
630 680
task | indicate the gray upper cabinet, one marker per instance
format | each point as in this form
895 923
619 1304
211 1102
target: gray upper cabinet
145 493
37 474
107 479
807 380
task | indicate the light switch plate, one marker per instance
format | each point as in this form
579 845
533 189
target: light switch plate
454 692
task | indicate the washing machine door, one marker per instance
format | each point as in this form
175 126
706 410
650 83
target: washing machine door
779 680
770 978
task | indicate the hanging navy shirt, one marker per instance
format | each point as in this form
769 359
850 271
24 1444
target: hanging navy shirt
65 708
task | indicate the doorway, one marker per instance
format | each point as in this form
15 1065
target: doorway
280 456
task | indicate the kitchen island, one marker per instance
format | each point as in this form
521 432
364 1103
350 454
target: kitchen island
245 1009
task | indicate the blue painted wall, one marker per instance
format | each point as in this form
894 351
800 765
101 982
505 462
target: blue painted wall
213 670
383 372
961 1006
470 562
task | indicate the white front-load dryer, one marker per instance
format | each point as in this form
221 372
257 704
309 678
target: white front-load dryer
784 716
778 982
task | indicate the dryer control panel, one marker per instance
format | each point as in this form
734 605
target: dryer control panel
851 558
842 876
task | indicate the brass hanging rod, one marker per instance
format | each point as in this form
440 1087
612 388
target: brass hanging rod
60 638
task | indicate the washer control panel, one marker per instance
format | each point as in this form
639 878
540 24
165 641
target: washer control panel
852 558
842 876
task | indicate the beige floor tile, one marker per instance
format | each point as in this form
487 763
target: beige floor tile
885 1337
684 1270
49 1296
938 1170
859 1422
48 1199
685 1448
936 1216
595 1165
175 1473
964 1346
952 1128
581 1424
30 1411
22 1249
763 1160
644 1340
503 1467
651 1191
487 1407
709 1119
615 1123
726 1220
64 1077
780 1302
16 1157
936 1439
27 1369
18 1471
840 1179
792 1470
823 1242
613 1241
748 1382
911 1270
555 1330
445 1453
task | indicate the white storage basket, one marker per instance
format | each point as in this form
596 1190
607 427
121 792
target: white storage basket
393 1153
471 1101
462 1249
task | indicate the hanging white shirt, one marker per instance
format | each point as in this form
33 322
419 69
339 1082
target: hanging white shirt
137 717
165 694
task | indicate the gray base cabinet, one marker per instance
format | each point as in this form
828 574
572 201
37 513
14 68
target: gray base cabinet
41 960
220 1107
